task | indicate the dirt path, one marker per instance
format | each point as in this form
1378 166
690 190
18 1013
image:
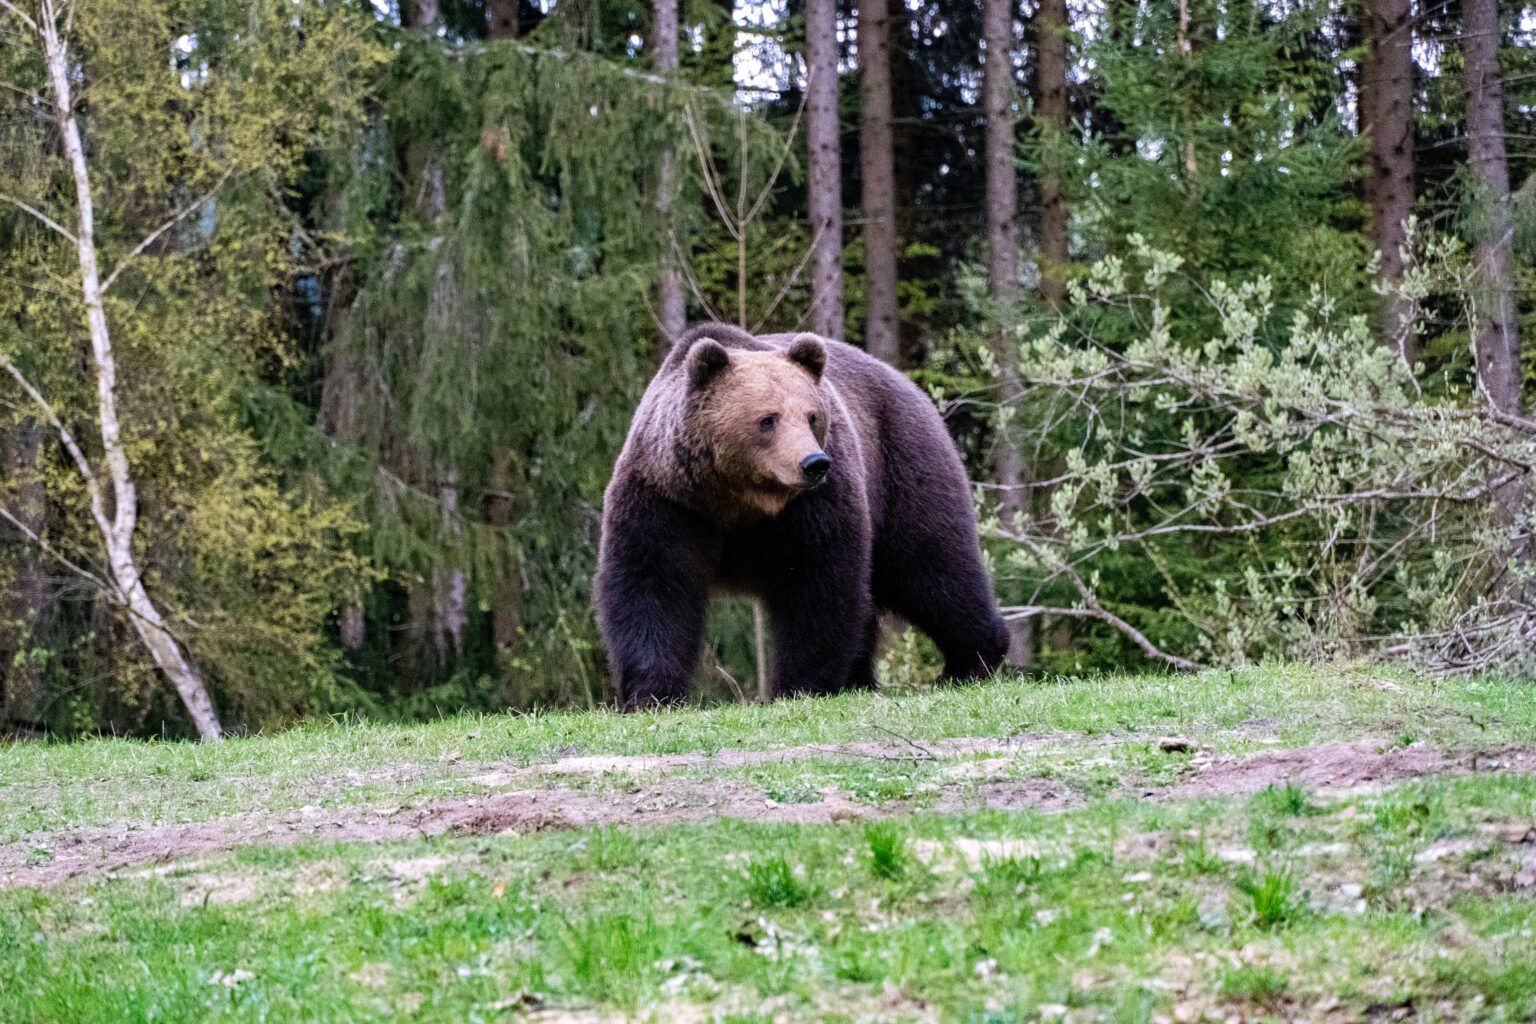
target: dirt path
52 858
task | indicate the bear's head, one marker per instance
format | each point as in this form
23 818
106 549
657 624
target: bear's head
762 419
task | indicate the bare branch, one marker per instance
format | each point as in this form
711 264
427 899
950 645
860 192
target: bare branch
32 536
1136 636
25 18
162 229
93 486
42 217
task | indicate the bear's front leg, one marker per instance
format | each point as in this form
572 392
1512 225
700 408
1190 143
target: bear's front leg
655 568
815 644
819 600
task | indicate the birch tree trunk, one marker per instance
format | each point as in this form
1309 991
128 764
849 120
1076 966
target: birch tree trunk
998 95
672 305
1386 117
118 530
1497 342
1051 114
877 168
824 202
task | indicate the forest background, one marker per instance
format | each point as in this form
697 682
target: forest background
322 323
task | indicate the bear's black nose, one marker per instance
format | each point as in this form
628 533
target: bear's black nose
815 467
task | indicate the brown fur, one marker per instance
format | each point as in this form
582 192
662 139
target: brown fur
706 497
762 466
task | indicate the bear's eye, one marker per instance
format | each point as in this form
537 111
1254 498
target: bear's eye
769 422
814 420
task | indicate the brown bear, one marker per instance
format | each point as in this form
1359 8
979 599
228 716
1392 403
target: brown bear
807 474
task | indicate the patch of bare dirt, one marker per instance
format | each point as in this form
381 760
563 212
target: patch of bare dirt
896 749
51 858
56 857
1010 795
1335 767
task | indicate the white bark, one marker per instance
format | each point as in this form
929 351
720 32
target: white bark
118 530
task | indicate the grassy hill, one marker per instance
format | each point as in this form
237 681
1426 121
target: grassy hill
1328 844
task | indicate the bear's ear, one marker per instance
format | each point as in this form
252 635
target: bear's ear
808 351
705 359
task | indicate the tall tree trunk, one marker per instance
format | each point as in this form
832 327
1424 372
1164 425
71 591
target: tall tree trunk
672 304
1051 115
877 168
824 204
338 419
1386 117
998 95
447 601
507 601
450 588
117 531
1497 342
1186 47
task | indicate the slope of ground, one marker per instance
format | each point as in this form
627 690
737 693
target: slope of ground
1284 843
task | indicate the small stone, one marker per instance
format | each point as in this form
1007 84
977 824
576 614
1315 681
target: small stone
1185 1013
1518 833
1051 1011
1351 890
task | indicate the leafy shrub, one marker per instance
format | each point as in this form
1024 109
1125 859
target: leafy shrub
1222 477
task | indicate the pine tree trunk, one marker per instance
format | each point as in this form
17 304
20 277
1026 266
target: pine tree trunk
877 168
450 587
998 95
444 601
1051 114
118 531
338 419
672 304
824 203
1497 341
1386 116
507 601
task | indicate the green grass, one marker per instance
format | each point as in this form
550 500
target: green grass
1119 909
888 856
344 763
